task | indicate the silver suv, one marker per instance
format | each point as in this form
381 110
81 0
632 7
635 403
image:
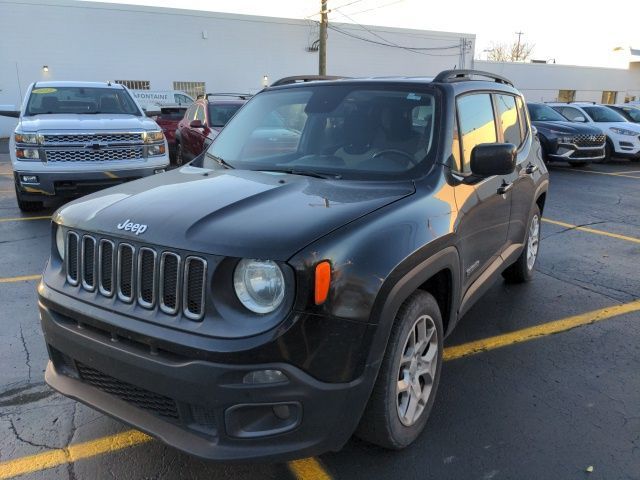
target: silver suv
73 138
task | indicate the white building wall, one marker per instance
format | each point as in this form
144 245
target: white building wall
541 82
95 41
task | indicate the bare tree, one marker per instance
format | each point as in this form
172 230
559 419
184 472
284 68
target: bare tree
510 52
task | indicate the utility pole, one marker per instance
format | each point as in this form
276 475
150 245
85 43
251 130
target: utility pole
518 46
322 50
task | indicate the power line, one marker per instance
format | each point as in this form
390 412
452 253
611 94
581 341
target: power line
377 7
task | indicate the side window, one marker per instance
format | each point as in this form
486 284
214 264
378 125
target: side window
199 114
509 121
524 119
477 123
190 113
455 147
181 99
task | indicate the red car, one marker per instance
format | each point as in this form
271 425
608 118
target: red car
168 120
203 121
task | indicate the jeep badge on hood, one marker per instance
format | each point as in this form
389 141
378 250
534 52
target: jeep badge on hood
129 226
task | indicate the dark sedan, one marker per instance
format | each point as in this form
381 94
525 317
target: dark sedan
565 141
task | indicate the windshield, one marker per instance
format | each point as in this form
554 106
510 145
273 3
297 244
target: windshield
335 130
544 113
221 113
604 114
634 113
81 100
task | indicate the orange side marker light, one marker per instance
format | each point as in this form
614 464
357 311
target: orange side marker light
323 281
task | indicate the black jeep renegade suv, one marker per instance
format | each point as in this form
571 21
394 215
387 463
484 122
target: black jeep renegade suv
294 284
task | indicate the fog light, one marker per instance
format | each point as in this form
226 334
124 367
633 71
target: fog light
265 376
159 170
29 179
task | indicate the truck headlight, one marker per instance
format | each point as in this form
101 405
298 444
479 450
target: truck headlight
27 154
259 285
27 138
60 242
623 131
153 136
153 150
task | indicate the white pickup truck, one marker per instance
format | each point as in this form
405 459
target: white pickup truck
74 138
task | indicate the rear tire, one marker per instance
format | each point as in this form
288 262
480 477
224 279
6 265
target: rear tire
27 205
522 269
407 382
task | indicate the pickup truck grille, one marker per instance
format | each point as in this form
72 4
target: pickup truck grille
589 140
89 155
82 139
152 277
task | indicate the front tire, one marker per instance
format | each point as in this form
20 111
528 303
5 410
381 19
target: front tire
408 379
27 205
179 156
522 269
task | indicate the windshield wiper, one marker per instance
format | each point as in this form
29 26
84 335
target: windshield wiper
306 173
220 161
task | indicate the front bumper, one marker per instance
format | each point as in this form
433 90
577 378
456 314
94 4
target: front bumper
626 146
194 404
74 183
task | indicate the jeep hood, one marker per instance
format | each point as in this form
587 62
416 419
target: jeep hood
238 213
90 122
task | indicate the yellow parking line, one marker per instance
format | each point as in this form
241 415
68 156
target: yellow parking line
592 230
72 453
22 219
531 333
23 278
599 173
308 469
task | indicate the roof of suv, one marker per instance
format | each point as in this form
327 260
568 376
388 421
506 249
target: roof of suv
62 83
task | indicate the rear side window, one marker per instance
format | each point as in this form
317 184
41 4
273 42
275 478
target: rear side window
509 121
477 123
571 113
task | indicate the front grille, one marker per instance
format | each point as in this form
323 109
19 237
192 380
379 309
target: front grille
139 397
90 155
589 140
115 138
151 277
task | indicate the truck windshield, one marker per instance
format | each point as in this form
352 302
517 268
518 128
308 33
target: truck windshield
544 113
350 131
80 100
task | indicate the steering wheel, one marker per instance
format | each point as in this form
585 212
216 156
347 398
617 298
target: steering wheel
408 156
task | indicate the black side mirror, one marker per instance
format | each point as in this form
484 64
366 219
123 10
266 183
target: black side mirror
196 124
489 159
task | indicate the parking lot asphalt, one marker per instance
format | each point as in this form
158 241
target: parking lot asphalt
522 395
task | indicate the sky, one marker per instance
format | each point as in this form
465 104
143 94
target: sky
569 31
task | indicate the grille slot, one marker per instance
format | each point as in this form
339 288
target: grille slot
115 138
139 397
195 272
146 277
106 267
88 263
589 140
71 258
169 282
125 272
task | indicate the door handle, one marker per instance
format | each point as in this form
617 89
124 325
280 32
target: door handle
531 169
504 188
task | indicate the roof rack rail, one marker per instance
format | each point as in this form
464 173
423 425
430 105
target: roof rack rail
457 75
304 79
242 96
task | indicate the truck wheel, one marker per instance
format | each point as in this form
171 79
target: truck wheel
27 205
179 154
522 269
406 386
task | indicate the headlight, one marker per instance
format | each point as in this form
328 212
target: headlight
60 242
27 138
623 131
259 285
153 150
27 154
153 136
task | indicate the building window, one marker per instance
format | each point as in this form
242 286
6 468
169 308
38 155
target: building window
135 84
191 88
629 98
566 95
609 97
